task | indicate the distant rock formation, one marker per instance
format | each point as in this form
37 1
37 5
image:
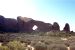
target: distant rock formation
55 27
1 23
10 25
66 28
42 27
24 24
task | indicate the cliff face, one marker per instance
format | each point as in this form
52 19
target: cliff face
23 24
1 23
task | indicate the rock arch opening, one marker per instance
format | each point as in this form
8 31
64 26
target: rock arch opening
35 27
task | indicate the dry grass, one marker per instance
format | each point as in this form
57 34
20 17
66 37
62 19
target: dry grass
50 40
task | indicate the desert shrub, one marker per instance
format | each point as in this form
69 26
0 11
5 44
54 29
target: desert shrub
57 47
48 42
40 46
28 41
51 33
16 45
4 48
33 43
3 37
41 33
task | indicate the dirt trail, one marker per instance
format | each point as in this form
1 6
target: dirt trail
68 48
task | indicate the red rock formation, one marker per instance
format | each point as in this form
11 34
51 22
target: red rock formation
1 23
10 25
42 27
25 24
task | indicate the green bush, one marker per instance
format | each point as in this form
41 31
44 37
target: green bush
16 45
4 48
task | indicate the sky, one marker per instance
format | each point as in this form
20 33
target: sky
49 11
